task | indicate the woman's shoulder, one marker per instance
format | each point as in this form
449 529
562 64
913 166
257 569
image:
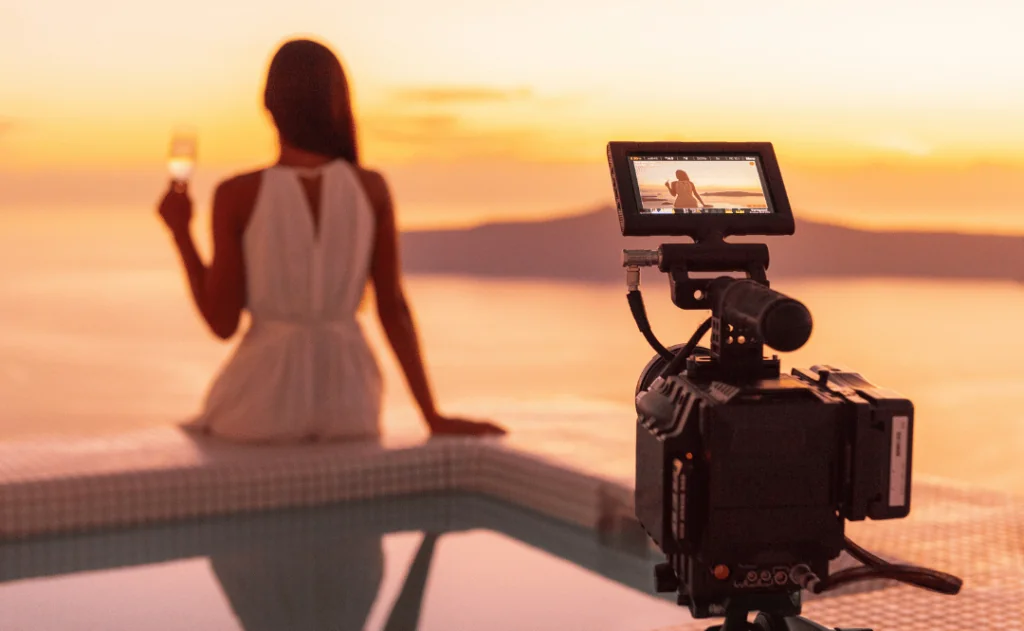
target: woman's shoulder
239 190
370 177
374 185
241 182
235 196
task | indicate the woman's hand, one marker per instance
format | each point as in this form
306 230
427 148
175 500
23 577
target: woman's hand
176 209
448 426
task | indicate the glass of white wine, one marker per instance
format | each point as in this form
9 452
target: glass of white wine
181 160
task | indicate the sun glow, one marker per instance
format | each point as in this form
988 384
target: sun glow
930 89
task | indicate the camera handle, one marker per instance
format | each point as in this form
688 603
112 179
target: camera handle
746 313
679 260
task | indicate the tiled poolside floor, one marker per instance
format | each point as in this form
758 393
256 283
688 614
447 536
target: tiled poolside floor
976 535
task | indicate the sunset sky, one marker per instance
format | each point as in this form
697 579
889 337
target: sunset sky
706 176
883 113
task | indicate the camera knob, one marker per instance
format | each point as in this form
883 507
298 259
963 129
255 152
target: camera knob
665 579
787 326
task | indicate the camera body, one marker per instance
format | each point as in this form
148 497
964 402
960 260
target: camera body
741 484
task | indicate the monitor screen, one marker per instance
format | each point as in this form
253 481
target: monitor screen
695 184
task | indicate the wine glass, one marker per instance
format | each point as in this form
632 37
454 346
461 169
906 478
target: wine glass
181 159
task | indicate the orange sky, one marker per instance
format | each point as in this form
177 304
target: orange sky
881 115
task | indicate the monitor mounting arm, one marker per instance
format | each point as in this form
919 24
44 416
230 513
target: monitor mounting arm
735 344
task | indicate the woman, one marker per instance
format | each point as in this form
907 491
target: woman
685 192
294 245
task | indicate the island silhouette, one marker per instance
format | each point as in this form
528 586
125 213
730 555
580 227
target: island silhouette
733 193
587 247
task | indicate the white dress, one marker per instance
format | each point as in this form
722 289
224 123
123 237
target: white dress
303 369
684 195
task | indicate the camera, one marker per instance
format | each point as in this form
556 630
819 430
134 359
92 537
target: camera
745 475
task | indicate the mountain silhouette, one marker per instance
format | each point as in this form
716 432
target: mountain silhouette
588 247
733 193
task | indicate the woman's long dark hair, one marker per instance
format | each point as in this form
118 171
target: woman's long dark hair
307 95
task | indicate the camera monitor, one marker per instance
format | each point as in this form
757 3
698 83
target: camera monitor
699 189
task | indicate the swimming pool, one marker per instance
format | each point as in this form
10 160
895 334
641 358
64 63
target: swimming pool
193 535
432 562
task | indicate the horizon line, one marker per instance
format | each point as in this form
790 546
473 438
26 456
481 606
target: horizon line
851 226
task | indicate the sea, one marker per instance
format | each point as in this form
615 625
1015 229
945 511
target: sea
98 335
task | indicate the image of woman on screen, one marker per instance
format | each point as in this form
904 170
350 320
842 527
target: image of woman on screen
685 192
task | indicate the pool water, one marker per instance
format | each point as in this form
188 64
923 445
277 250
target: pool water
442 562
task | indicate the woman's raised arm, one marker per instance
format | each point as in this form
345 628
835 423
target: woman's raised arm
218 290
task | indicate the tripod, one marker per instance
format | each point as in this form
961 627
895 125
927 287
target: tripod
776 612
736 620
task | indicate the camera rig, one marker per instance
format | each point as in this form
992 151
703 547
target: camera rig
745 475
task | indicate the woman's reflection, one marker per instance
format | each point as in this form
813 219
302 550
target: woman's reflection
313 584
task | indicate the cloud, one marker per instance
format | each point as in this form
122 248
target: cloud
454 95
410 129
463 122
899 143
446 136
5 125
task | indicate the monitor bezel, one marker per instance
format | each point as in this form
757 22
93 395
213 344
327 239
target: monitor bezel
700 227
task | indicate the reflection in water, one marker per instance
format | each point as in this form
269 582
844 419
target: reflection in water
334 568
302 584
405 614
319 584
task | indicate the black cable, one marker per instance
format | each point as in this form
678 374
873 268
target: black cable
921 577
926 578
863 555
876 568
636 306
675 366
